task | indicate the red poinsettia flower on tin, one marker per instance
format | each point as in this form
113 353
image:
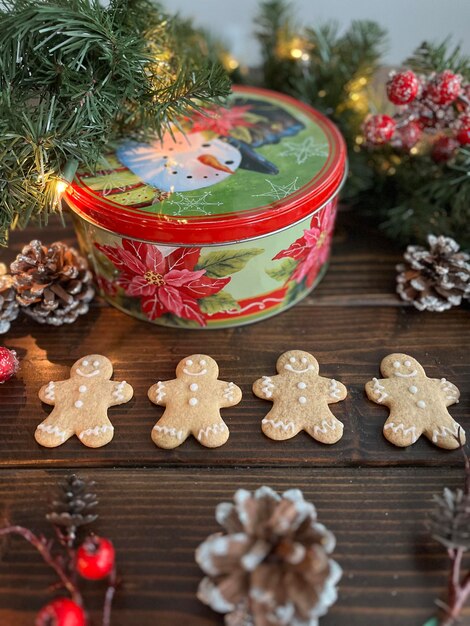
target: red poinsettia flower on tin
164 284
312 249
221 120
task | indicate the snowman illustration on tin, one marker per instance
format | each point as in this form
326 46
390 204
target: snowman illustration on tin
196 159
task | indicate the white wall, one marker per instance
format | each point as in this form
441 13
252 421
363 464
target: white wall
408 21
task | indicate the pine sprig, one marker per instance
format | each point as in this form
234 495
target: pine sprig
437 57
331 75
74 75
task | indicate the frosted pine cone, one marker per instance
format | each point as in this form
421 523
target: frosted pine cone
435 279
272 566
9 307
53 284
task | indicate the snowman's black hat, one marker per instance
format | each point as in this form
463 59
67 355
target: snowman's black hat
251 160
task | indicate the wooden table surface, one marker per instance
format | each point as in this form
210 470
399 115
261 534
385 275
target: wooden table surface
158 505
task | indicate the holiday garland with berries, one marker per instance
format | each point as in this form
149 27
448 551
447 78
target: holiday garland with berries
414 181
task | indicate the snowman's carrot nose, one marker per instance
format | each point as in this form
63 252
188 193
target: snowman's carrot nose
212 161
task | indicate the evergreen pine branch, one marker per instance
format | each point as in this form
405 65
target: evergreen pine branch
436 57
73 76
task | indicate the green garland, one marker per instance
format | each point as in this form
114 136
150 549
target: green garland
73 76
409 195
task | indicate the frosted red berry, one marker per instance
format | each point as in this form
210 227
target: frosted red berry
402 88
61 612
463 136
9 364
444 88
379 129
95 558
410 135
444 149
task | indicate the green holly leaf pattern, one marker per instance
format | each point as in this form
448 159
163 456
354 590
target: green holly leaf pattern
226 262
283 271
222 301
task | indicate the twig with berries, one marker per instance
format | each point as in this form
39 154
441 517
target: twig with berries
434 107
449 524
92 559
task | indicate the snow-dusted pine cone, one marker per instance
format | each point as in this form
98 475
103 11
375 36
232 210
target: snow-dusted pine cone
53 284
435 279
9 307
272 566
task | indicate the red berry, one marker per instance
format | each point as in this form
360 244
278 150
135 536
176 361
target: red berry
379 129
444 149
402 88
61 612
95 558
444 88
463 136
410 135
9 364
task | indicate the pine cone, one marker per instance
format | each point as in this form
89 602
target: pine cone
272 566
74 505
9 307
54 285
435 279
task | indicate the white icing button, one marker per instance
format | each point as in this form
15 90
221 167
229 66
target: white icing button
301 385
84 363
193 401
96 363
194 386
302 399
79 404
202 362
304 360
421 404
82 389
407 363
396 364
413 389
292 359
189 362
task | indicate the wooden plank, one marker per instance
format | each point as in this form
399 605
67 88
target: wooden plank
393 569
349 344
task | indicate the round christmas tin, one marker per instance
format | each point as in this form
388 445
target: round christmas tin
225 221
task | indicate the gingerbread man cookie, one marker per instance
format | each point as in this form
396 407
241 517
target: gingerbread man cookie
192 402
301 398
81 404
418 404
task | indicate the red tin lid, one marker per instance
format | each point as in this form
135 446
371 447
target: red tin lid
256 167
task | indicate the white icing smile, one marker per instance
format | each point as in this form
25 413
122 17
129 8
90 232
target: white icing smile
201 373
410 375
93 373
289 367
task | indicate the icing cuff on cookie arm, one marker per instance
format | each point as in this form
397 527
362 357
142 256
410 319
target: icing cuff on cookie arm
267 388
331 389
48 393
378 390
120 392
447 390
159 393
229 394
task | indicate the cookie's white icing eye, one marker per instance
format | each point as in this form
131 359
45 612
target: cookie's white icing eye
396 364
84 363
292 359
407 363
304 360
96 363
202 362
189 362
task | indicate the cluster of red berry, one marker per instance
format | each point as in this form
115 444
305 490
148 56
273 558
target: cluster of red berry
94 561
437 106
